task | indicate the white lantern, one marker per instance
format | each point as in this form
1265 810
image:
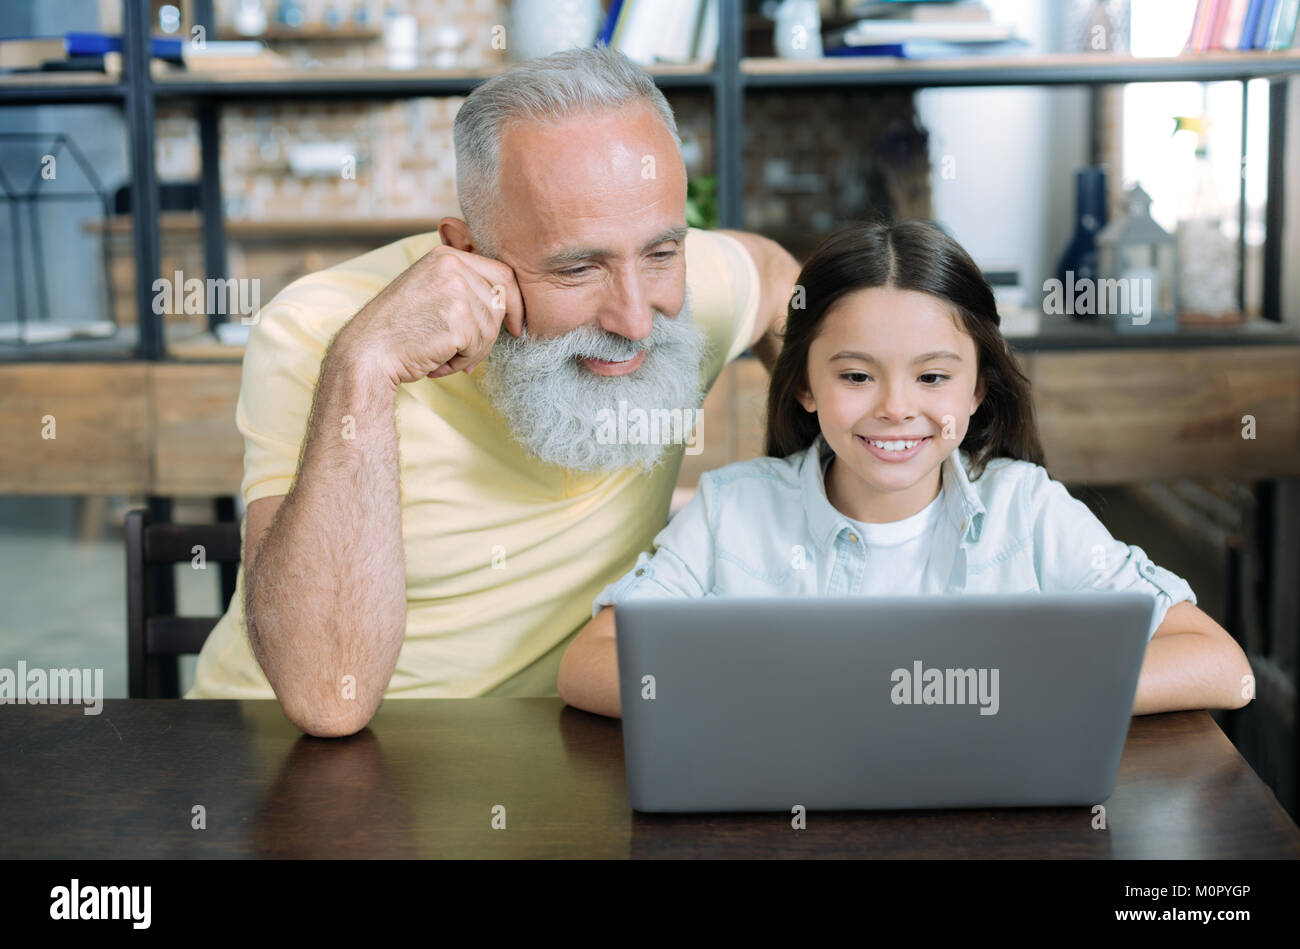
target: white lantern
1137 260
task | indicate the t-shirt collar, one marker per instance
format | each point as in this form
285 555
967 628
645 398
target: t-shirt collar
962 506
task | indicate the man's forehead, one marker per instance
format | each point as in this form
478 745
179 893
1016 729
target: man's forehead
592 185
608 148
639 119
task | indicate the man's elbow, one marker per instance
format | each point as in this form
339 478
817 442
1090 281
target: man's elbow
319 722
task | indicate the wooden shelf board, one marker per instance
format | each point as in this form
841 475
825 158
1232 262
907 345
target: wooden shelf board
181 222
57 78
180 79
1089 67
305 34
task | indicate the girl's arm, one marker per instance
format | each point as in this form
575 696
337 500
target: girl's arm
681 567
589 669
1192 662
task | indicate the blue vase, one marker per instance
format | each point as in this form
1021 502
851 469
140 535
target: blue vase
1080 257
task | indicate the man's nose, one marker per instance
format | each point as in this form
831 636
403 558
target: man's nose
626 310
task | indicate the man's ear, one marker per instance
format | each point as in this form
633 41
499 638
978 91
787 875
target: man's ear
455 233
806 399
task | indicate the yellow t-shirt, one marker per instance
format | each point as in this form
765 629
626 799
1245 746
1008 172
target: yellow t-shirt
504 553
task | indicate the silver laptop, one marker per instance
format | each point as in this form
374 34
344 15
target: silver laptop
978 700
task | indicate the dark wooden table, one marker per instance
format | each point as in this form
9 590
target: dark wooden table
423 781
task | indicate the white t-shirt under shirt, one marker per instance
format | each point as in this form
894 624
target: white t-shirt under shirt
898 551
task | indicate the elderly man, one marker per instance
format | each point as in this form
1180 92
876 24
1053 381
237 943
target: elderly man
434 496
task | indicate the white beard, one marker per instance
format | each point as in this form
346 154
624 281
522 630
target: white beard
554 406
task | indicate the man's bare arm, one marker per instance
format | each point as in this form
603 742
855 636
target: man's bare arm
325 592
777 273
325 587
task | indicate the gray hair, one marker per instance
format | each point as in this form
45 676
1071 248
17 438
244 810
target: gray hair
546 89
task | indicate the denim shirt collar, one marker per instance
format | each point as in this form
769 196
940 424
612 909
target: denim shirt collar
963 509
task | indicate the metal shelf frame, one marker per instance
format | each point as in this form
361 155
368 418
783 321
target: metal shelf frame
730 79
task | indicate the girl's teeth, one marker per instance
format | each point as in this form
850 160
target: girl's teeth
896 446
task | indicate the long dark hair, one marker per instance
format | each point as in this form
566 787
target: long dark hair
911 255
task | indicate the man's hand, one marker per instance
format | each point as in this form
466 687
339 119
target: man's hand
441 315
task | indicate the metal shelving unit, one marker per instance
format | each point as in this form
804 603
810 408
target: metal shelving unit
1064 69
57 89
729 79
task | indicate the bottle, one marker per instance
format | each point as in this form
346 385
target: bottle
798 31
290 14
401 40
1207 282
1079 261
250 18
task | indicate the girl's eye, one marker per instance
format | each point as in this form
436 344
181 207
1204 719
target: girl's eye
858 378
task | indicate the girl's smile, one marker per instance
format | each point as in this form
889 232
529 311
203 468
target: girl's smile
894 450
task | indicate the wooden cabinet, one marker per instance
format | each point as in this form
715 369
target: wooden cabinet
1110 416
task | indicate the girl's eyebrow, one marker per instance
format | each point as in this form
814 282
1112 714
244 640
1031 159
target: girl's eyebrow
924 357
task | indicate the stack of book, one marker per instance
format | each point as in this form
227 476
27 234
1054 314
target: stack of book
1243 25
75 52
227 56
662 31
954 29
100 52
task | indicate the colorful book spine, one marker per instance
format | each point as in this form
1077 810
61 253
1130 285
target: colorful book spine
1190 45
1248 25
97 44
606 35
1261 26
1215 38
1232 26
1205 14
1282 32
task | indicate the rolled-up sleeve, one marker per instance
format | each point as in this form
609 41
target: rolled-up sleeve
681 563
1074 551
725 289
282 363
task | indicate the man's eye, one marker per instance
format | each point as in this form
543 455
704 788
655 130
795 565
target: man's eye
575 272
665 255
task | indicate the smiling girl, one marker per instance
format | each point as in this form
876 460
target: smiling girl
904 459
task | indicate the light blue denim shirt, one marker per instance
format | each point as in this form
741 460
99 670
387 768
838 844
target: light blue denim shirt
765 528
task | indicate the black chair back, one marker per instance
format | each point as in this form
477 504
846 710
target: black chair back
156 637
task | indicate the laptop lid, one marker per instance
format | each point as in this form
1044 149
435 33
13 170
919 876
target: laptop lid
979 700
